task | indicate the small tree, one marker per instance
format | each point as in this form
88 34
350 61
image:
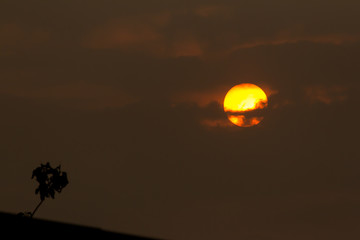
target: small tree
50 180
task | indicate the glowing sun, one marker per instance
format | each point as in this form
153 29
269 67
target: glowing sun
242 102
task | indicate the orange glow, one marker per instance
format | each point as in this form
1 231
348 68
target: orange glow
256 120
237 120
244 98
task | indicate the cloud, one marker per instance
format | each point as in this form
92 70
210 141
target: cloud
209 104
189 32
14 36
326 94
280 39
125 33
202 97
187 48
213 123
154 33
78 95
144 34
153 37
210 10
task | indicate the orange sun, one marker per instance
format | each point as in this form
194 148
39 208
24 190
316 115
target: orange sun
241 103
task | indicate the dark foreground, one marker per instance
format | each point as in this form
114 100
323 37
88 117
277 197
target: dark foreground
14 227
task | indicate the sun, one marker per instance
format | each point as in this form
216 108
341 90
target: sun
242 102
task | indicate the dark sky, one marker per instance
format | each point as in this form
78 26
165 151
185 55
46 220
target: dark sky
126 96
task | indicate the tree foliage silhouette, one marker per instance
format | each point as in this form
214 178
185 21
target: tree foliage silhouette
50 180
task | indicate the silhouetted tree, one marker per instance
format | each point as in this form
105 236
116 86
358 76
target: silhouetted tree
50 180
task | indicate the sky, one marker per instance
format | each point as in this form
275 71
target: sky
127 97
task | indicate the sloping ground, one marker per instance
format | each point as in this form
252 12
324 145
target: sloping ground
17 227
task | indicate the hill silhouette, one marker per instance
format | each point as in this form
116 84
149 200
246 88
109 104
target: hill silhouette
14 226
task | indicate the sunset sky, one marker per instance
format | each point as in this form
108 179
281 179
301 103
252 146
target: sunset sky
127 96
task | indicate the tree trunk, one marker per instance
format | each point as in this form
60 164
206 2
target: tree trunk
32 214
